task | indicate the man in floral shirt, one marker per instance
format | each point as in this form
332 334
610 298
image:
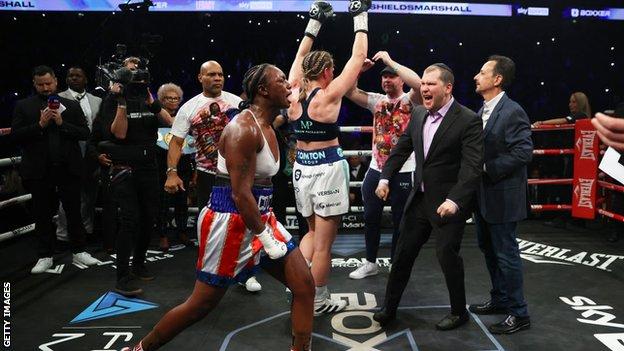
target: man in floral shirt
391 115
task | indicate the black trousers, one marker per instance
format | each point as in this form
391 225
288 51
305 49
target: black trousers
178 200
416 228
205 182
57 184
109 211
137 196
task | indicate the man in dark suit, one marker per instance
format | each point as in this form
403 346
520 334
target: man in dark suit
90 105
51 166
447 142
502 194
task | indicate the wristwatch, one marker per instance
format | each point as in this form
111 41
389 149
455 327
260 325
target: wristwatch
171 169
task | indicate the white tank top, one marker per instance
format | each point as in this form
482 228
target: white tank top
266 165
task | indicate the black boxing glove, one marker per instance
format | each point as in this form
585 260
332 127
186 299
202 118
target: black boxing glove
319 12
358 9
358 6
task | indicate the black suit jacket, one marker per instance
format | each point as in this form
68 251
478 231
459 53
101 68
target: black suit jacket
34 141
453 165
502 194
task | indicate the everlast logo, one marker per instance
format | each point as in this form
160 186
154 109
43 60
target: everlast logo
16 4
542 253
587 145
584 191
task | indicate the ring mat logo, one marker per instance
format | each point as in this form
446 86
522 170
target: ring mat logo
108 305
354 329
596 315
542 253
112 304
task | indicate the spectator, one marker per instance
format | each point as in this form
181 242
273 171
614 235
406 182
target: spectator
357 170
90 105
170 96
579 109
508 150
47 128
391 113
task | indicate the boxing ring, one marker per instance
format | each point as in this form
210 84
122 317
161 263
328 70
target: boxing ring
588 192
93 318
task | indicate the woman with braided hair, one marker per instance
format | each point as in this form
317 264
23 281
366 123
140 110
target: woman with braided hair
240 206
320 173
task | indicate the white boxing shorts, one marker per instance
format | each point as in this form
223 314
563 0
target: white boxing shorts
321 182
229 252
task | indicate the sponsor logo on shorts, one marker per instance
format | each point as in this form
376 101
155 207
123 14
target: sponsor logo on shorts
313 155
328 192
264 202
322 205
298 175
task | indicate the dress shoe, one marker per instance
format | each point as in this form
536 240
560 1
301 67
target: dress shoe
452 321
384 316
141 272
126 287
487 308
613 237
184 239
510 325
163 244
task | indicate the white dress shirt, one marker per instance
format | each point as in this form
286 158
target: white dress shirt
489 106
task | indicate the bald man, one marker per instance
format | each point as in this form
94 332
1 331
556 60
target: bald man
204 118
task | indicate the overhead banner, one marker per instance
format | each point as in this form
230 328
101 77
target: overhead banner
585 170
612 14
396 7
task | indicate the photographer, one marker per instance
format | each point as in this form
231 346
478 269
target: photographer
133 125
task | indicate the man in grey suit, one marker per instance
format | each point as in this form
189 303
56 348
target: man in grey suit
90 104
446 139
502 194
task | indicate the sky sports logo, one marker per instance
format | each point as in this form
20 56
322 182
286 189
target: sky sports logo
575 13
533 11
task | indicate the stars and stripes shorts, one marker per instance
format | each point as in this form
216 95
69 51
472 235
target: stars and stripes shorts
228 251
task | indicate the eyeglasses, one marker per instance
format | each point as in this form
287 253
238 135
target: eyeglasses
172 98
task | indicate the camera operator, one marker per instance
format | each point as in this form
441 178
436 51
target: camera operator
47 128
133 125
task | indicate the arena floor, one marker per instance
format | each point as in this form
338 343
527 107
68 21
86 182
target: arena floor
573 284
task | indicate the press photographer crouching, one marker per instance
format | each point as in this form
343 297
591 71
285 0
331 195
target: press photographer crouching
133 172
